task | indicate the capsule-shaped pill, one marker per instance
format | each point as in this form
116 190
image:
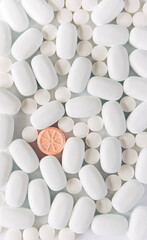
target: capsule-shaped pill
53 173
39 197
138 37
26 44
66 46
44 71
6 164
141 166
73 155
16 189
61 210
138 59
24 155
6 130
47 115
6 39
82 215
93 182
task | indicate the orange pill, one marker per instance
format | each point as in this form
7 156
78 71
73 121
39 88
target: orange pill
51 141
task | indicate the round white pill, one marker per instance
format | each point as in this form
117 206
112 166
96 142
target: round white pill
84 48
140 19
62 94
128 104
66 124
64 16
29 134
48 48
80 17
89 5
66 234
127 140
73 5
28 105
49 31
99 53
13 234
56 5
130 156
84 32
92 156
141 140
126 172
113 182
95 123
124 19
104 205
5 64
93 140
74 186
31 234
80 130
62 67
42 97
132 6
6 80
2 198
46 232
99 69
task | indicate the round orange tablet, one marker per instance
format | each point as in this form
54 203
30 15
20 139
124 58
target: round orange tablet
51 141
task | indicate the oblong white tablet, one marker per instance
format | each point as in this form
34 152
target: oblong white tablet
47 115
74 107
138 37
44 71
99 16
110 163
73 155
132 190
53 173
27 44
140 169
24 155
39 197
138 59
16 188
79 74
105 88
6 39
19 218
110 34
63 204
14 15
6 130
118 63
12 103
107 225
23 78
66 47
6 164
114 118
38 10
81 218
93 182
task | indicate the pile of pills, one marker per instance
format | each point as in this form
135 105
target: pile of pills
75 72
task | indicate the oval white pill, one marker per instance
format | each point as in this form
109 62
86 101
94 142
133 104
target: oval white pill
140 170
28 106
6 130
42 96
49 32
6 80
141 140
95 123
31 234
84 48
6 164
66 124
80 130
130 156
127 140
62 94
48 48
113 182
92 156
93 140
99 69
66 234
62 67
46 232
99 53
13 234
6 39
64 16
104 205
127 103
80 17
73 186
138 60
84 32
124 19
126 172
138 37
5 64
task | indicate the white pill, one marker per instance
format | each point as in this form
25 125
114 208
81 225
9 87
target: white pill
139 19
99 53
64 16
106 225
113 182
95 123
138 37
39 197
105 88
13 234
56 5
28 106
73 5
63 203
127 140
53 173
40 119
80 17
6 80
66 234
144 8
92 180
104 205
5 64
62 67
2 200
84 48
38 10
44 71
46 232
42 97
6 130
92 156
26 44
130 156
31 234
93 140
74 107
84 32
141 140
6 39
79 74
73 186
14 15
99 69
66 124
12 103
126 172
132 6
62 94
138 60
49 32
6 164
140 170
124 19
128 104
73 155
89 6
133 190
24 155
80 130
81 218
110 34
48 48
66 47
99 16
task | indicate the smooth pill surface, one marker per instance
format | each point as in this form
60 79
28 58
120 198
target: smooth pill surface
66 234
92 156
66 124
49 32
2 198
99 53
62 94
141 166
127 140
89 6
130 156
124 19
13 234
84 48
80 130
6 39
138 37
42 96
73 186
128 104
104 205
48 48
46 232
138 60
95 123
5 64
139 19
64 16
6 80
113 182
84 32
30 234
62 67
80 17
73 6
56 5
93 140
6 130
28 106
126 172
141 139
132 6
99 69
6 164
